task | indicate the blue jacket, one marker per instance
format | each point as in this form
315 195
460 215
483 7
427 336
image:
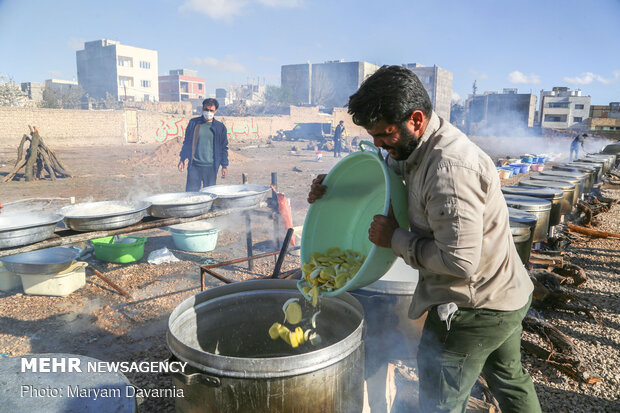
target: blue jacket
220 142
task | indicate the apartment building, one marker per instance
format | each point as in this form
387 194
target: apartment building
561 108
438 85
125 72
181 85
508 113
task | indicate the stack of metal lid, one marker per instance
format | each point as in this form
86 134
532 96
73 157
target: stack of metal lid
550 178
567 188
583 182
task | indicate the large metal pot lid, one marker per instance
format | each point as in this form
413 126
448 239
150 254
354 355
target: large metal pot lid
21 221
562 178
585 165
235 191
54 255
522 217
576 174
400 279
565 186
103 209
180 198
527 202
535 191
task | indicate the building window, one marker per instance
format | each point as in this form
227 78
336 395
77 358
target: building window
579 106
184 87
125 61
145 83
184 98
555 118
557 105
147 98
145 65
614 107
577 119
199 86
125 81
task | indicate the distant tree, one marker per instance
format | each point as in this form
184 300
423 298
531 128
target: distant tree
10 93
50 98
457 114
66 98
110 102
280 95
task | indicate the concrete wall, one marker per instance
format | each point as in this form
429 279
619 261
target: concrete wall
61 127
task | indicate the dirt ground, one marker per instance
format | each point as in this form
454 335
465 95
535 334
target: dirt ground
98 322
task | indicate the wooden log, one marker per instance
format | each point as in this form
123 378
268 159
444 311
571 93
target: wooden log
591 232
574 272
545 259
15 170
32 156
108 281
20 149
48 165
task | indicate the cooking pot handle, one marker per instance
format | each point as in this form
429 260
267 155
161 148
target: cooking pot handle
372 147
195 378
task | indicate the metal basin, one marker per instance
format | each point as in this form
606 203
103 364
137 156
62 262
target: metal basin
535 206
45 261
23 229
553 195
583 184
568 179
180 204
522 227
237 196
567 188
99 216
588 174
236 367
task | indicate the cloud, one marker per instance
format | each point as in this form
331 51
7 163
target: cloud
225 9
518 77
479 75
75 44
455 97
225 65
589 77
216 9
266 59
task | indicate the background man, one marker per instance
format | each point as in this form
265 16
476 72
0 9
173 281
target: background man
459 239
338 135
205 148
574 146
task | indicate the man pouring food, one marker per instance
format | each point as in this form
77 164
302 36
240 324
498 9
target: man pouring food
472 282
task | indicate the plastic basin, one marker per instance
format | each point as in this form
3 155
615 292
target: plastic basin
121 252
194 241
359 187
516 168
527 159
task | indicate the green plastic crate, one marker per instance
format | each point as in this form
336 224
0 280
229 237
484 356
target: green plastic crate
107 250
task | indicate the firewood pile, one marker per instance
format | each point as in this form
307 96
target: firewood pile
38 161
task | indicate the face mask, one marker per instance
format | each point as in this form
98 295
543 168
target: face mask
208 115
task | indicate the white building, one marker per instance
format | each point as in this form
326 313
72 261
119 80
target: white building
125 72
561 108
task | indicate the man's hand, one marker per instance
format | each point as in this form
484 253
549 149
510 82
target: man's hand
317 190
224 173
181 166
382 229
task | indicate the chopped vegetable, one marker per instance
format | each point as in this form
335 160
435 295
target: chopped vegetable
292 311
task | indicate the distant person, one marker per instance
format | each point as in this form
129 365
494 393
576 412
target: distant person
338 134
205 148
574 146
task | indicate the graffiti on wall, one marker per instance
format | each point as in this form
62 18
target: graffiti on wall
242 129
167 131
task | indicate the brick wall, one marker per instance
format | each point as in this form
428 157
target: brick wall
61 127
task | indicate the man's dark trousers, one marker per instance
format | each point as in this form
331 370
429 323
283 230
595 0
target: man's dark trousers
199 177
479 341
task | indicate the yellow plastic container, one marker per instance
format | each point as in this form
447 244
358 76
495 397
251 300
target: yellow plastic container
9 281
60 284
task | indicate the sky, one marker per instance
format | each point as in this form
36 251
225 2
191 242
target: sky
529 45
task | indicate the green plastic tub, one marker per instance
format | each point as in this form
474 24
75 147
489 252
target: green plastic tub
107 250
359 187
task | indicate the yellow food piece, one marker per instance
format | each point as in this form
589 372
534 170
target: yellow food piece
285 333
299 332
274 331
293 313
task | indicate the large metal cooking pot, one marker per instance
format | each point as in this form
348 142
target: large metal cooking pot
598 158
236 367
536 206
104 215
45 261
567 188
237 196
599 163
386 307
180 204
549 178
553 195
522 227
23 229
583 181
589 175
595 168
